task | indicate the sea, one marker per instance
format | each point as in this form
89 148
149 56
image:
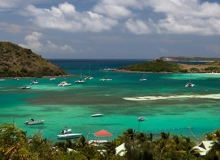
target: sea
163 99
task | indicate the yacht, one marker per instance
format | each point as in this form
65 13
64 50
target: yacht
64 83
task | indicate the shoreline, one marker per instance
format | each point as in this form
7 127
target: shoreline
128 71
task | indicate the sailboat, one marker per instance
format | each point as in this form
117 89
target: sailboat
189 84
89 76
80 80
105 78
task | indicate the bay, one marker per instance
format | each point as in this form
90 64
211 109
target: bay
163 99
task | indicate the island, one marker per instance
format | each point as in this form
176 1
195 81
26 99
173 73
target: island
16 61
161 66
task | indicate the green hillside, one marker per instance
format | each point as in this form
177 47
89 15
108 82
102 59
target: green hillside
22 62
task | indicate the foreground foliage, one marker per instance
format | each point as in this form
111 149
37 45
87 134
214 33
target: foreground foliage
15 145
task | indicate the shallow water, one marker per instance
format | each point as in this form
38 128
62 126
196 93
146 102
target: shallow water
162 99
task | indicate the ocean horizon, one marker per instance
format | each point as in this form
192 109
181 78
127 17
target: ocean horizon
163 99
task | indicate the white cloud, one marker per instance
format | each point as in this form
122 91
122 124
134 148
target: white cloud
64 17
173 16
137 27
34 43
187 17
113 11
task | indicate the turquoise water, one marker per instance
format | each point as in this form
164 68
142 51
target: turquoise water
162 99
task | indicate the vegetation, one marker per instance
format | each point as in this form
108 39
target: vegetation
15 145
189 59
159 65
16 61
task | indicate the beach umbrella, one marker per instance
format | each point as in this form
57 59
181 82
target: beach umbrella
103 133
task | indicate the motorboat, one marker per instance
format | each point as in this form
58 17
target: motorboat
141 118
189 85
79 81
69 136
52 79
143 79
26 87
105 79
64 83
2 79
34 122
97 115
34 82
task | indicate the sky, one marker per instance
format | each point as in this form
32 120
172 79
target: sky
113 29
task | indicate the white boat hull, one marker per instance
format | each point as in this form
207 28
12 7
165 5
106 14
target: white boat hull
97 115
69 136
34 122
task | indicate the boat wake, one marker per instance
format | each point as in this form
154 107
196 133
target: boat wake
151 98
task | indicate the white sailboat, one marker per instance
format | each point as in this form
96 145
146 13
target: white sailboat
80 80
89 76
105 78
189 84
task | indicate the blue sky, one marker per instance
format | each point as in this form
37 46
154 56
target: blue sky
113 29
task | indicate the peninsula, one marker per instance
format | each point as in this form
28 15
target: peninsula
161 66
16 61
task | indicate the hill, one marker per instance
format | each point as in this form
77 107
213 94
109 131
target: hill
189 59
159 65
22 62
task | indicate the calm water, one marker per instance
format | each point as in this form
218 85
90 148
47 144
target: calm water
162 99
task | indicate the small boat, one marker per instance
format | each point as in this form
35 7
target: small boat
97 115
141 118
26 87
105 79
143 79
52 79
64 83
189 85
34 122
16 79
69 136
79 81
34 81
88 78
